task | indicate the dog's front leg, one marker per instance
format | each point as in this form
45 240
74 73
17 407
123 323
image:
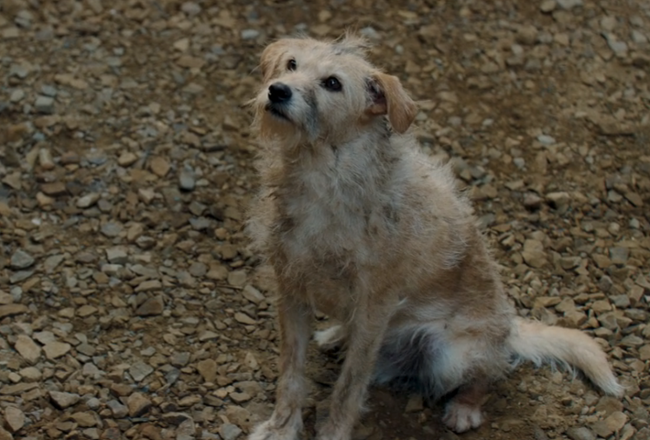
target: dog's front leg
286 421
366 332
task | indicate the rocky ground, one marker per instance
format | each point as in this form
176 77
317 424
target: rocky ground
129 305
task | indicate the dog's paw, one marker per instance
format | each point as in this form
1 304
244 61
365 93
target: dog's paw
270 431
461 417
330 339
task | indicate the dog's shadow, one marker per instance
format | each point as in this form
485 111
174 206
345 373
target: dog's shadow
390 414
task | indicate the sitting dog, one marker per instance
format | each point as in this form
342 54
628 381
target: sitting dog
361 226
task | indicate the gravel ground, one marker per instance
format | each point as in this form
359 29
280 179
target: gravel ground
129 304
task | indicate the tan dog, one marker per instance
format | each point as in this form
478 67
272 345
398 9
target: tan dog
359 225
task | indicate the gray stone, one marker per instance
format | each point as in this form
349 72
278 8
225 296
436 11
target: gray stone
28 349
618 47
237 278
18 71
152 306
546 139
93 403
198 269
14 418
638 37
191 8
48 91
119 411
111 229
228 431
56 349
619 255
116 255
200 223
186 180
179 359
580 433
569 4
87 201
140 370
52 262
252 294
44 104
64 400
548 6
21 260
249 34
20 275
17 95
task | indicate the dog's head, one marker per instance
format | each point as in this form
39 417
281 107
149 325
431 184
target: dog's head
326 90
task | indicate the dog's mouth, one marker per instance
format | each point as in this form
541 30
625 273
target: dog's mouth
276 111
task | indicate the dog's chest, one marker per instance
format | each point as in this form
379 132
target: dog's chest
323 222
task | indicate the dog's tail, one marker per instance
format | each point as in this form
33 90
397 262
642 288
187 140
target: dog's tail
536 342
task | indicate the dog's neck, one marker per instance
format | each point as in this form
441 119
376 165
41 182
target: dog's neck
368 152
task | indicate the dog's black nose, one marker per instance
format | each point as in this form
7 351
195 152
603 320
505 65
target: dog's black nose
279 93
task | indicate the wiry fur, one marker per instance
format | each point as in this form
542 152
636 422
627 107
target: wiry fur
361 226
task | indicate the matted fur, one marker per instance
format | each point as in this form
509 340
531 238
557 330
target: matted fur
361 226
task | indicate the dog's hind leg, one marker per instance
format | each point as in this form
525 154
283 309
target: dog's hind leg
439 363
466 366
463 411
286 421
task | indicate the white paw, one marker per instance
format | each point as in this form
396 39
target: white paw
267 431
329 339
460 418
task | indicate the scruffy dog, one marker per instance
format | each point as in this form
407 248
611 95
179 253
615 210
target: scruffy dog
361 226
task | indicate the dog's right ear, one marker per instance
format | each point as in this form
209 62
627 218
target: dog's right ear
351 43
388 97
270 59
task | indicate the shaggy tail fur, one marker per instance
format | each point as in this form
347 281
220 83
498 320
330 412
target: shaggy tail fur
536 342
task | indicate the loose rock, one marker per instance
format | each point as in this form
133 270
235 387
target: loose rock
14 418
64 400
21 260
138 405
27 348
56 349
151 307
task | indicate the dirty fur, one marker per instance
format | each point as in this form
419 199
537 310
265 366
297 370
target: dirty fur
361 226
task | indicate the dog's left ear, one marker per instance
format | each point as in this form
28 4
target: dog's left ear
388 97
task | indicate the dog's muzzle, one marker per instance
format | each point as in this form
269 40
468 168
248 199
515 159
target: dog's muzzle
279 96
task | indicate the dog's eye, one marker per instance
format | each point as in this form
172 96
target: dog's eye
291 64
332 84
